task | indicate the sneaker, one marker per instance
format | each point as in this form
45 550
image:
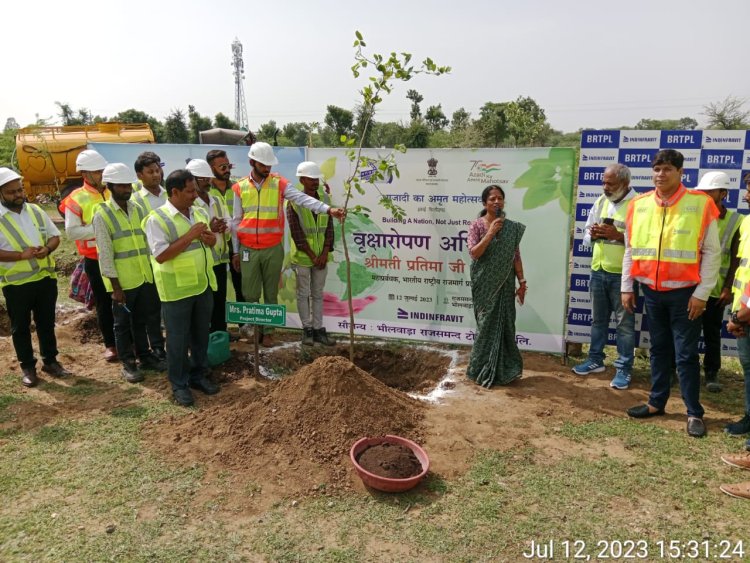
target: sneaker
131 373
738 428
321 336
307 337
587 367
621 380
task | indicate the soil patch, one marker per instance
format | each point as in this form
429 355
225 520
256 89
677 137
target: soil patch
238 366
393 461
296 432
85 328
4 321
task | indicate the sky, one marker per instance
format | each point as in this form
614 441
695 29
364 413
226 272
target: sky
588 63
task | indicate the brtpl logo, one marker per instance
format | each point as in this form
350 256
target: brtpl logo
401 314
681 139
588 175
600 139
638 158
689 177
721 159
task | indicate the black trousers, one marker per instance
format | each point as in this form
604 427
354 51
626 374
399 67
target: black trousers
712 319
38 297
138 332
237 283
218 317
103 301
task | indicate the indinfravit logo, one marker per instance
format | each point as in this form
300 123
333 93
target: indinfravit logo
417 315
597 158
639 139
401 314
712 139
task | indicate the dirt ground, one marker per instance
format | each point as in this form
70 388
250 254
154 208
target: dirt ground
290 435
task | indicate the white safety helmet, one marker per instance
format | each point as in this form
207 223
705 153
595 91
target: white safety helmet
118 173
263 153
90 161
714 181
7 176
309 170
199 168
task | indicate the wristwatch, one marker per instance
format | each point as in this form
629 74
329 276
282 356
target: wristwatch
735 320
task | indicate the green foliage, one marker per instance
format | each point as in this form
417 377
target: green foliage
80 117
223 122
656 124
435 118
297 133
175 128
196 124
493 123
339 122
460 120
729 113
548 179
7 146
416 98
525 120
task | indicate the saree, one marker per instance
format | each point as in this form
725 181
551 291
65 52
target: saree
495 358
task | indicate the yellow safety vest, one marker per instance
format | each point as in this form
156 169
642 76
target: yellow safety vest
728 226
742 275
219 208
139 197
25 271
314 227
131 255
228 195
608 254
191 272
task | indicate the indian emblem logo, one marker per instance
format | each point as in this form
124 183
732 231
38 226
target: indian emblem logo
432 167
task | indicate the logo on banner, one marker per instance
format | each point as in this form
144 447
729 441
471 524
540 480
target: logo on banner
420 316
600 139
372 169
590 175
632 139
432 167
597 158
481 171
638 158
721 159
733 139
681 139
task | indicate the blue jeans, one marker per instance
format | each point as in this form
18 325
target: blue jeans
605 300
743 350
672 332
187 322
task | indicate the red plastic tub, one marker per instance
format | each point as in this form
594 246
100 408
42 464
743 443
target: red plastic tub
386 484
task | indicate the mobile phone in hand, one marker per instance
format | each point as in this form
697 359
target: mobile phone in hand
608 221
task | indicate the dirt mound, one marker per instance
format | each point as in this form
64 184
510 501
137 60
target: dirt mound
85 328
296 433
238 366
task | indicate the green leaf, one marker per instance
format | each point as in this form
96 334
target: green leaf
358 34
342 138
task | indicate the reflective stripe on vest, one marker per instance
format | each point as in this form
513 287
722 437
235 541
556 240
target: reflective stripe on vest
665 240
728 226
221 248
742 275
314 228
129 244
140 196
33 269
262 224
607 254
189 273
83 202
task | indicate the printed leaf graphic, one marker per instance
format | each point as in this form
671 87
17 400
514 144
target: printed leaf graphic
361 278
548 179
328 168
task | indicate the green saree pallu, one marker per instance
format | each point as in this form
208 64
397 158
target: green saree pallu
495 358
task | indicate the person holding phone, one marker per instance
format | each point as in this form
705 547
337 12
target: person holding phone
605 228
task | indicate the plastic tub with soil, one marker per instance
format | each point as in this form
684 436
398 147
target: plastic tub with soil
389 463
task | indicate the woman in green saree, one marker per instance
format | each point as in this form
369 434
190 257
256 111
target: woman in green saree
493 246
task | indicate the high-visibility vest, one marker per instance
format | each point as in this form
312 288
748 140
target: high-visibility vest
189 273
665 241
314 227
607 254
218 208
83 202
728 226
131 255
262 224
33 269
742 274
228 195
140 196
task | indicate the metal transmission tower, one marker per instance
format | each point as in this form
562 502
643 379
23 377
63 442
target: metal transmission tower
240 108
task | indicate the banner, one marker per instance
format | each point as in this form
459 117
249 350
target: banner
726 151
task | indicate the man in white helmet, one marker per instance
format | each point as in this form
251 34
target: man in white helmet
27 277
218 213
258 227
312 249
124 261
79 213
716 186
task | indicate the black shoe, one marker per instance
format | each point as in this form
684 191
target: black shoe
695 427
321 336
183 397
55 370
641 411
206 385
738 428
131 373
29 378
307 337
160 354
152 363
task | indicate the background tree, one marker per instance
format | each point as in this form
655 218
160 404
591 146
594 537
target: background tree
727 114
339 122
416 99
223 122
460 119
417 135
525 121
136 116
493 123
387 135
435 118
363 124
268 132
175 128
297 133
82 116
196 124
683 123
10 125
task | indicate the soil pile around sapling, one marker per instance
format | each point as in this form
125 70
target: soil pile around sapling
85 328
393 461
298 431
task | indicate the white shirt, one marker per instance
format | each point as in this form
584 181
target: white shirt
155 201
28 229
207 207
290 194
611 208
158 239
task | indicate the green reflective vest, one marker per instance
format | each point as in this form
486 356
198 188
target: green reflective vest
728 226
141 198
314 227
25 271
191 272
223 240
228 195
131 255
608 254
742 275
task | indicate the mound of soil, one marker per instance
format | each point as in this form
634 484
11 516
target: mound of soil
86 329
238 366
393 461
298 431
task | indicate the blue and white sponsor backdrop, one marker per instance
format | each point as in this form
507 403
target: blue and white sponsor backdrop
727 151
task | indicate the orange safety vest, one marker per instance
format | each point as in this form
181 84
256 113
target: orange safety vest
665 240
83 202
262 224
